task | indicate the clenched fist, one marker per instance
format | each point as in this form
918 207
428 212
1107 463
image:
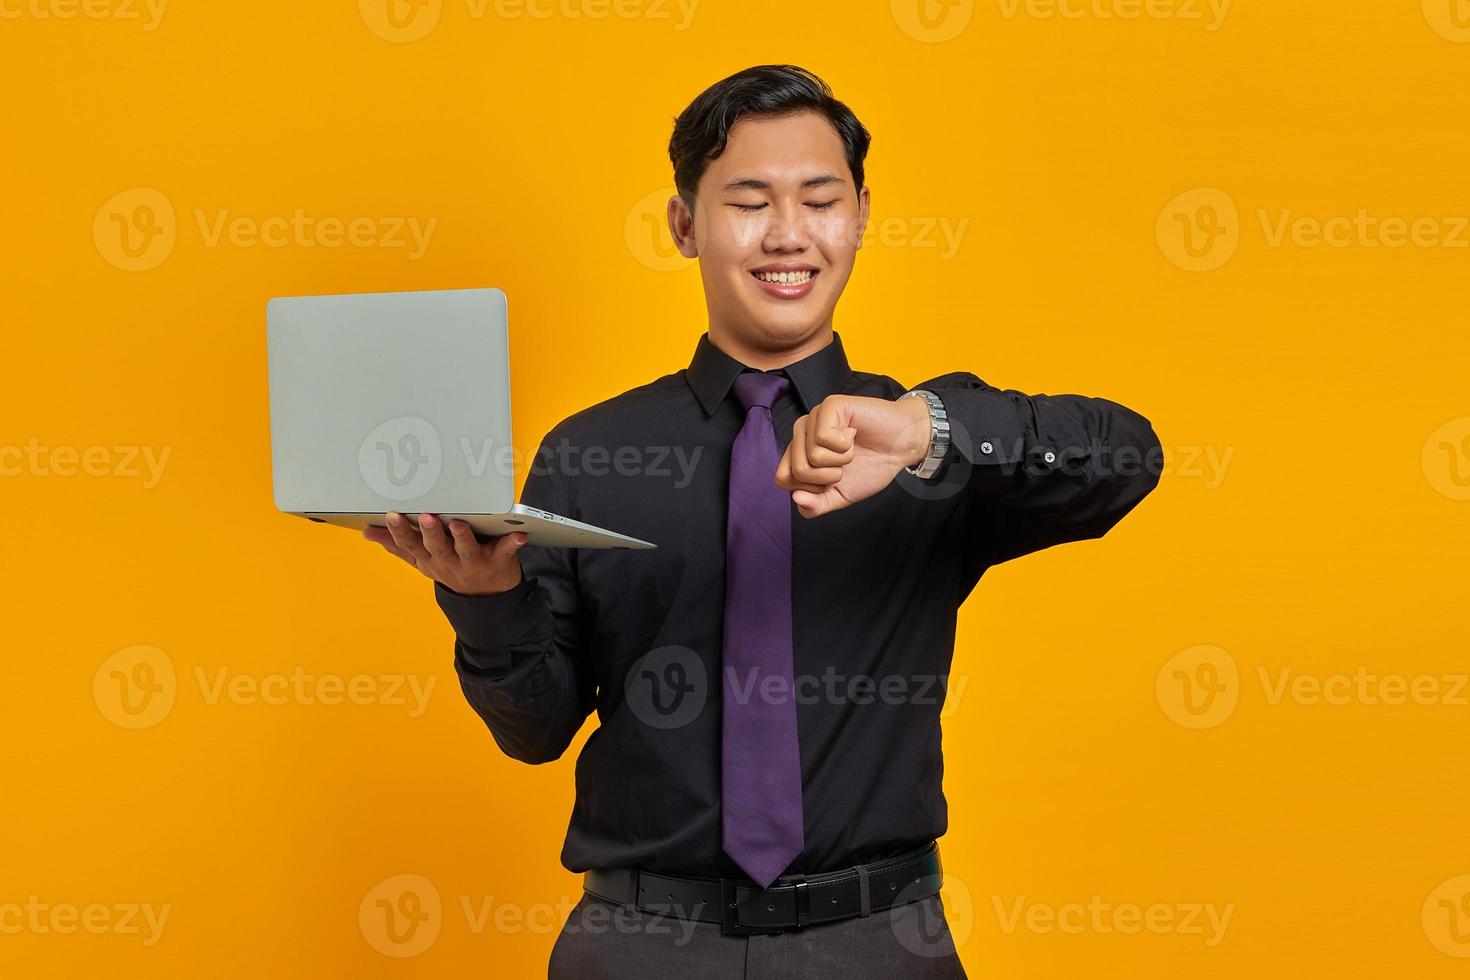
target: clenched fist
849 448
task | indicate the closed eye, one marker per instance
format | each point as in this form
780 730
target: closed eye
748 207
822 205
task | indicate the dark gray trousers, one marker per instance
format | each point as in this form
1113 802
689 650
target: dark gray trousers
603 940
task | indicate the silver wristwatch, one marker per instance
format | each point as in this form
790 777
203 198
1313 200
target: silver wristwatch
938 434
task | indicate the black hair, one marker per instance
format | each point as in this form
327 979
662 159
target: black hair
703 128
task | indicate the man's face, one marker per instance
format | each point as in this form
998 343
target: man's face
776 226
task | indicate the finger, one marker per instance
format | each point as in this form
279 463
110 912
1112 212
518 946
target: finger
792 484
819 455
811 504
785 469
503 552
380 535
802 470
436 542
405 536
466 545
830 428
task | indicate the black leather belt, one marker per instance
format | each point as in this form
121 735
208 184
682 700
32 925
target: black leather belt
741 907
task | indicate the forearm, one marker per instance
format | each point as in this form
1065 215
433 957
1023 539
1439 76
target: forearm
514 673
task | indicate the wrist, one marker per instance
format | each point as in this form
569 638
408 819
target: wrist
484 588
930 460
922 432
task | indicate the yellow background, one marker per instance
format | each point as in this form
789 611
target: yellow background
1327 537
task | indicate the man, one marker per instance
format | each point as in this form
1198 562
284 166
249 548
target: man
762 795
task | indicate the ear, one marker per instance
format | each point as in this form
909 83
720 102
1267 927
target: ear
681 227
864 202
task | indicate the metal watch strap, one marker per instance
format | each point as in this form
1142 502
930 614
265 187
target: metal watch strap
939 434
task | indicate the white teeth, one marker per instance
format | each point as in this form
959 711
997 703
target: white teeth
786 278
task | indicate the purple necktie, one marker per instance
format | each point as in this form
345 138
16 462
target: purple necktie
760 758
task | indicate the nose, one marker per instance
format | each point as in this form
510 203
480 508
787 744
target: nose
789 229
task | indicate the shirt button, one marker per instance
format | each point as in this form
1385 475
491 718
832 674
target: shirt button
1050 456
986 448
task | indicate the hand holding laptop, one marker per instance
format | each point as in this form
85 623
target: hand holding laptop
459 560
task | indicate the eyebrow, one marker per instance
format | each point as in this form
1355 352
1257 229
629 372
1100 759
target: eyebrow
756 184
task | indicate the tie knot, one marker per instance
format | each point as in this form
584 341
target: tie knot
754 388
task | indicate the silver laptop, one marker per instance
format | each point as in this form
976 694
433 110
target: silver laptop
401 402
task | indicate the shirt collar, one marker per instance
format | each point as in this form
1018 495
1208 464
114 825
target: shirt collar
814 377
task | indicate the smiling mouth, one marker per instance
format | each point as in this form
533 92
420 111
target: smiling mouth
787 278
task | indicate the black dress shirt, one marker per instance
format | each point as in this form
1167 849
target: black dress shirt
636 635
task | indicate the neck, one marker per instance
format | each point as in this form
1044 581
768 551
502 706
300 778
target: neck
773 356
